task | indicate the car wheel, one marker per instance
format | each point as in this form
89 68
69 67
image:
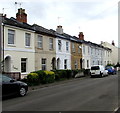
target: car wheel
22 91
101 74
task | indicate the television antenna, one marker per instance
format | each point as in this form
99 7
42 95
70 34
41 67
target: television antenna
18 4
59 20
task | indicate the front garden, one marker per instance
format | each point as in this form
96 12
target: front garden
45 77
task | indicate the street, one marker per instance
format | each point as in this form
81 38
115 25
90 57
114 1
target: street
81 94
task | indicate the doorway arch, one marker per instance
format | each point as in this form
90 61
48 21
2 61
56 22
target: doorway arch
7 64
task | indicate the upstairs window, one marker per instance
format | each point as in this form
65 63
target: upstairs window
83 49
11 36
27 39
59 45
67 46
73 47
91 50
88 50
79 49
50 43
40 41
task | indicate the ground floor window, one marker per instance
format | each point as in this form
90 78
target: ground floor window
87 63
76 66
23 65
65 64
44 64
98 62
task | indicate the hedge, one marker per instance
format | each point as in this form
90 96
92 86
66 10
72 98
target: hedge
33 78
44 77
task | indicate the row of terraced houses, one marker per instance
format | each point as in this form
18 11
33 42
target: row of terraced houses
26 48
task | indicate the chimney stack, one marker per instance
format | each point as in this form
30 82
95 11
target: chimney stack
59 29
113 43
21 16
81 36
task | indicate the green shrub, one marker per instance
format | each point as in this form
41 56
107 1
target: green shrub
45 76
41 74
33 78
49 77
61 74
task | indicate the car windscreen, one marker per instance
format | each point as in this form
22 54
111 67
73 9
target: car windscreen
95 68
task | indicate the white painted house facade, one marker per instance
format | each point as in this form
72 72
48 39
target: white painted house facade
114 54
95 54
63 50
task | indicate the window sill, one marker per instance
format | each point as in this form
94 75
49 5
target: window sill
28 47
51 49
24 73
11 45
39 48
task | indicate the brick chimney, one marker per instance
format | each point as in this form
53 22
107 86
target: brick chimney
81 36
113 43
21 16
59 29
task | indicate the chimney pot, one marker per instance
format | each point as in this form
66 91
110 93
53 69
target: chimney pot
21 16
59 29
81 36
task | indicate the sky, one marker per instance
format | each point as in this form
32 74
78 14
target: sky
97 19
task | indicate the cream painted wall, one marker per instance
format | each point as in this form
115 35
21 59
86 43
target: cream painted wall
114 54
18 50
45 52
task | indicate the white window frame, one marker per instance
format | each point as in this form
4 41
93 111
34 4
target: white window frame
27 39
59 45
88 50
50 43
65 64
76 65
11 34
67 46
83 49
73 47
87 63
44 65
25 63
40 41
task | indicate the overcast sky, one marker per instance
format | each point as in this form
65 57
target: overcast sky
97 19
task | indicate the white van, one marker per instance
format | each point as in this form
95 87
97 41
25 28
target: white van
98 70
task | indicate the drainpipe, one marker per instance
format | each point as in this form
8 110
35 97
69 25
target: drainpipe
3 47
1 43
1 19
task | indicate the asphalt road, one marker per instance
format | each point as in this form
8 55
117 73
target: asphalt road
81 94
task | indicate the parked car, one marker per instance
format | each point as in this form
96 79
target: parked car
98 70
12 87
111 70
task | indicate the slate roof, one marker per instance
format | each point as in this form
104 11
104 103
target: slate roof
42 30
13 22
39 29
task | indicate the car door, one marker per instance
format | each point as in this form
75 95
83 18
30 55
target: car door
9 87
